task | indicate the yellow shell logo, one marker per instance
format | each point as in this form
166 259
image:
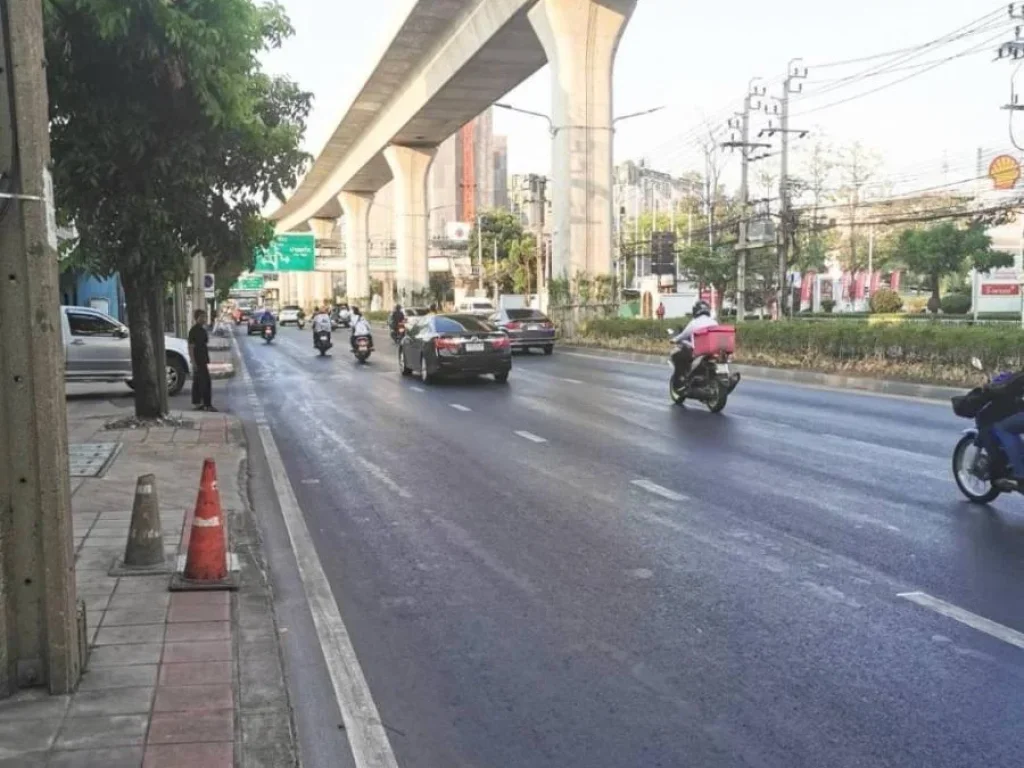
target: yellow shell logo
1004 172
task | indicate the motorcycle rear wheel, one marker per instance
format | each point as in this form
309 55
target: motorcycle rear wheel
963 476
717 403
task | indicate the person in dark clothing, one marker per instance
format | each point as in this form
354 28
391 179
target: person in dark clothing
199 353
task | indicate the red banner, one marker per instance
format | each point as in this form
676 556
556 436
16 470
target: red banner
1000 289
876 279
847 280
894 280
807 288
858 285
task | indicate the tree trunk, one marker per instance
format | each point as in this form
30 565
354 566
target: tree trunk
146 374
156 310
935 302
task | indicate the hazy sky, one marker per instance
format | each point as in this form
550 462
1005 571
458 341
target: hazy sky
696 58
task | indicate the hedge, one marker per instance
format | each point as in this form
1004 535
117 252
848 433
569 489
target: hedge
929 352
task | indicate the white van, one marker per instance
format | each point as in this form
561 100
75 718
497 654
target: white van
475 306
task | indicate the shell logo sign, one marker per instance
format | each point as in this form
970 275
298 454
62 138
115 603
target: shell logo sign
1004 172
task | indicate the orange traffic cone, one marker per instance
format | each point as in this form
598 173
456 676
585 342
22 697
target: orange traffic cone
206 564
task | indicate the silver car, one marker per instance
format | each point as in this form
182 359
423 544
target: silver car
526 328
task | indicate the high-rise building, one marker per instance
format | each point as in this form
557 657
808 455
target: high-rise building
530 199
501 172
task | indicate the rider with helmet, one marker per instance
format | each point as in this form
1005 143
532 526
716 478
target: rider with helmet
682 358
321 323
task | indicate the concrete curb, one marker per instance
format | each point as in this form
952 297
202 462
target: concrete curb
793 376
222 371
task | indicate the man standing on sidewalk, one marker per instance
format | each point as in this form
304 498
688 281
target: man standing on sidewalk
199 352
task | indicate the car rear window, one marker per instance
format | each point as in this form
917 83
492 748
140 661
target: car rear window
525 314
461 324
290 309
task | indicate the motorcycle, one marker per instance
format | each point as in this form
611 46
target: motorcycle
709 380
981 468
323 342
268 334
398 332
362 349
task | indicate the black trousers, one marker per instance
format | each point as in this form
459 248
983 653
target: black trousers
682 359
202 385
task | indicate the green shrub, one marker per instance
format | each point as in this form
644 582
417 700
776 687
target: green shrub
827 305
377 317
886 301
956 303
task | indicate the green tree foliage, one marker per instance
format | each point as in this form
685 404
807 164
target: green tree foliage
515 269
167 140
945 249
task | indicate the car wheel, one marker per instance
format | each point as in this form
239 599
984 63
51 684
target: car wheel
549 349
176 375
425 375
405 369
502 377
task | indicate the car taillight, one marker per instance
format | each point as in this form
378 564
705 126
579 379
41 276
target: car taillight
546 326
452 345
515 325
501 342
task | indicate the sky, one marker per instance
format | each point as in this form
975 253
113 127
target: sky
695 58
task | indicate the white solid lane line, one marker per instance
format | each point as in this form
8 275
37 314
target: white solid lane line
531 437
973 620
366 734
659 490
570 381
417 389
458 407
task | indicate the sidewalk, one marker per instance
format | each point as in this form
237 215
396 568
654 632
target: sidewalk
173 679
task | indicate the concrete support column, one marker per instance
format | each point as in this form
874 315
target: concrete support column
580 38
409 167
356 207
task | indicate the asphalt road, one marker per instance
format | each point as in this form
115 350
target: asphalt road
570 571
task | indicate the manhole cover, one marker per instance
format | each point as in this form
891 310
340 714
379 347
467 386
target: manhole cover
91 459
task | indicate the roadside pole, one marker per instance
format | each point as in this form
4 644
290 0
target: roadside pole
40 636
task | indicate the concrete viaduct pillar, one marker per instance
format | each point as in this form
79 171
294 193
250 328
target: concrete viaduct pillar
409 167
356 207
580 38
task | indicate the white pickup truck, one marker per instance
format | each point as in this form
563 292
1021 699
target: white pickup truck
96 348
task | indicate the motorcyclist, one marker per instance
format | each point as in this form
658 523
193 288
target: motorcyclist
682 358
397 316
343 314
1007 412
360 327
321 324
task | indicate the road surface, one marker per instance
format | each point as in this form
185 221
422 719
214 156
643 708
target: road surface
570 571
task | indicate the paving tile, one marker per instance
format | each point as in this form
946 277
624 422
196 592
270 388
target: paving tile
96 589
142 584
17 736
95 605
114 701
206 650
192 697
102 732
181 599
33 705
215 755
24 760
196 672
261 683
130 676
198 630
124 655
188 613
119 757
116 515
199 726
123 617
268 735
143 601
141 633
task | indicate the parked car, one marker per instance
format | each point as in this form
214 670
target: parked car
292 315
96 348
478 307
242 315
454 344
526 328
411 313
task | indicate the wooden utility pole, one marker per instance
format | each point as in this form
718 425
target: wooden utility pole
40 635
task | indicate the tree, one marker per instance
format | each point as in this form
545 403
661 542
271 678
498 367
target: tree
499 227
944 249
858 166
167 140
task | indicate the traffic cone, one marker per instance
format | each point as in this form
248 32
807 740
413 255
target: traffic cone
144 551
206 564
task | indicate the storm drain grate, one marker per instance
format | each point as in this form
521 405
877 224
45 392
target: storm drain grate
91 459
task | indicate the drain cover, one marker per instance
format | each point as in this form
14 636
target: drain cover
91 459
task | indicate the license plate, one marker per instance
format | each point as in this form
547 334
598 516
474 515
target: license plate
474 346
724 368
362 344
534 328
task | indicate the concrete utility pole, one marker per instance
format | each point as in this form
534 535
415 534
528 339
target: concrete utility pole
744 145
794 72
40 636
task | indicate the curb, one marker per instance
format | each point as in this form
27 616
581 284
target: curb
220 371
794 376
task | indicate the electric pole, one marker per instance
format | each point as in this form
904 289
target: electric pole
789 87
743 145
40 635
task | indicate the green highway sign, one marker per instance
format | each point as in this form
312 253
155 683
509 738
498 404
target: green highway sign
290 252
248 283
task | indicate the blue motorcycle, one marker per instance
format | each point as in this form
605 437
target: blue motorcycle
980 466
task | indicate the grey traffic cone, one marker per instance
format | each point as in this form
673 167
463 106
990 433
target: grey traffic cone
144 552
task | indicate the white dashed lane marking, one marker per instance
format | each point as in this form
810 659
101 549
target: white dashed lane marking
531 437
973 620
458 407
659 490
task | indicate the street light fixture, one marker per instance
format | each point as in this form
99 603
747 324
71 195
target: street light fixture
553 129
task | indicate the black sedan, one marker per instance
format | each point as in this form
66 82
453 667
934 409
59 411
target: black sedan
527 328
444 345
